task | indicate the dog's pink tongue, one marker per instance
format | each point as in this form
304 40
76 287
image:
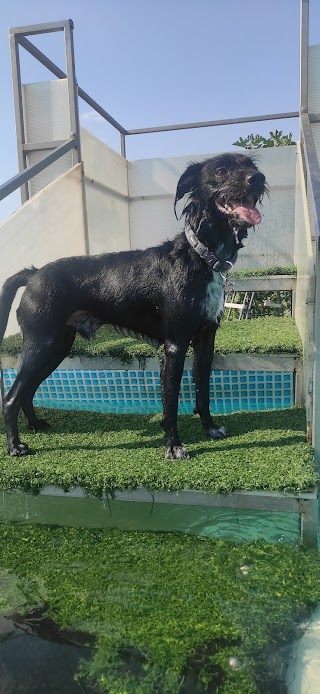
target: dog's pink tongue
248 214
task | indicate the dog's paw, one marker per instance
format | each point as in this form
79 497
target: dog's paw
176 453
217 433
19 450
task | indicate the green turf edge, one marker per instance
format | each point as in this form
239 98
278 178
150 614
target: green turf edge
264 335
167 611
102 453
264 271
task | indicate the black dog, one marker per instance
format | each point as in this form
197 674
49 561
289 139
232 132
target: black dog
172 294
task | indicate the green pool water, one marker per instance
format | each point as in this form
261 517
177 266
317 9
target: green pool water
125 612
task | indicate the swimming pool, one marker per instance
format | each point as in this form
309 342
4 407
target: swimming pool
139 391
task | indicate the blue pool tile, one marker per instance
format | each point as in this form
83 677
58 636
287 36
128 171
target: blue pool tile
139 391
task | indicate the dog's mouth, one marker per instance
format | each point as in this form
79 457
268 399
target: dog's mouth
240 212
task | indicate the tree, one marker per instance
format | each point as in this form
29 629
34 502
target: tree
276 139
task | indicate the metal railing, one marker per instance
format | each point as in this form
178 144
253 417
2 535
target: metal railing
311 182
18 38
27 174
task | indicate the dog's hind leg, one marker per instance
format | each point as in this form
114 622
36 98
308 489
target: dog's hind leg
203 347
34 422
171 372
26 403
37 362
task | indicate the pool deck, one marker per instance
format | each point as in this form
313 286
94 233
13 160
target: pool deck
88 463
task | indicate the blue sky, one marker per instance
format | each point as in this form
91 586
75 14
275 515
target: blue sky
175 61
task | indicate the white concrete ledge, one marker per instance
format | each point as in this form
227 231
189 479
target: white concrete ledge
234 361
259 500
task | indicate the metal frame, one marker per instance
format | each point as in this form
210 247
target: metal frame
22 178
312 183
312 189
304 40
17 39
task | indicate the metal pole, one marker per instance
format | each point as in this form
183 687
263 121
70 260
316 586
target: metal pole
46 28
304 41
213 123
18 108
311 163
28 173
123 145
72 91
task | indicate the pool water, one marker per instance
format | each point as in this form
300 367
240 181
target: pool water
37 656
107 610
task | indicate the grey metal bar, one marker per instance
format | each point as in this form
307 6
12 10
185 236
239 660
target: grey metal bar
25 43
36 146
48 27
62 75
72 92
213 123
25 176
91 102
17 97
304 40
309 523
316 370
312 165
123 144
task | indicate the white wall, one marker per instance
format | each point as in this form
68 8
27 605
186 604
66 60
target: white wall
130 204
50 225
106 186
152 185
46 118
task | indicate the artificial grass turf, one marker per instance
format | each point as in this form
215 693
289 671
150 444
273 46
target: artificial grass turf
266 450
264 335
264 271
171 614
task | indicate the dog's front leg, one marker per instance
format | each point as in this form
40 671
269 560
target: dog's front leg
203 347
171 371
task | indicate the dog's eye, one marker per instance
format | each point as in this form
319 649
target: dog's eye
221 172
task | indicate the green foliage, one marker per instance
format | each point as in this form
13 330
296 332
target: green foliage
168 611
262 335
11 345
266 450
276 139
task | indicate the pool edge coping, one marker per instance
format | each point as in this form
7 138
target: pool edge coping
304 503
235 361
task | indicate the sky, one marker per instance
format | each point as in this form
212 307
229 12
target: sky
151 62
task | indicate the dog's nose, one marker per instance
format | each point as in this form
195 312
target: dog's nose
256 179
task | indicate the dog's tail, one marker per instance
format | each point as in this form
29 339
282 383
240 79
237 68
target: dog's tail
8 292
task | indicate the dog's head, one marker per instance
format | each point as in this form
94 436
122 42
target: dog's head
224 192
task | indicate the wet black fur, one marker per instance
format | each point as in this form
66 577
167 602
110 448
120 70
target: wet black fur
158 293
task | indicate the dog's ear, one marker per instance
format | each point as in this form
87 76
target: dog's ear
187 182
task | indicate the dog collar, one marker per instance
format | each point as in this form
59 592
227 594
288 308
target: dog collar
215 263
